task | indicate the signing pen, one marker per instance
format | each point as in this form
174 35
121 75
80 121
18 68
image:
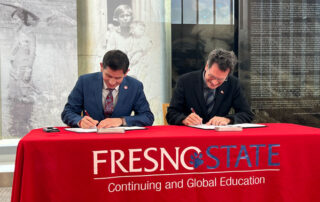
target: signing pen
87 114
192 110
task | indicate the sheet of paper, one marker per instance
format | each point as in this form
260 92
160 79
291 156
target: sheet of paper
243 125
82 130
133 128
94 130
249 125
204 126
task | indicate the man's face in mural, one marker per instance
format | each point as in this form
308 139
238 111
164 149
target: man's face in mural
16 19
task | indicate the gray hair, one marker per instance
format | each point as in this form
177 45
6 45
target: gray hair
225 59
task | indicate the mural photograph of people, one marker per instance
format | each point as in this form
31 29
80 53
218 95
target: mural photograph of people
140 43
30 39
21 89
119 31
134 30
129 36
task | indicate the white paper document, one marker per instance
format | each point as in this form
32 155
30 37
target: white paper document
249 125
94 130
82 130
132 128
243 125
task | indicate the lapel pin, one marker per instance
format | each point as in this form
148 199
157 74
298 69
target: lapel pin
222 92
125 87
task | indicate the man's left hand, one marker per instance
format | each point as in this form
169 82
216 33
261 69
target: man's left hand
218 121
110 122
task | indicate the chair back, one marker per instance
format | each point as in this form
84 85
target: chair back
164 110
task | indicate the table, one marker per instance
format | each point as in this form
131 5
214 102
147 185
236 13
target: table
280 162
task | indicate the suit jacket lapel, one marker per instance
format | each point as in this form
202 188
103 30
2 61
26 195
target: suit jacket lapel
123 92
220 92
98 94
199 94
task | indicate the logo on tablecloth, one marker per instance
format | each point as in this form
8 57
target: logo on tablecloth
196 160
162 159
143 169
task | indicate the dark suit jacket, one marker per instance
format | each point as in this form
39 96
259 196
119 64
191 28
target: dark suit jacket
87 95
189 94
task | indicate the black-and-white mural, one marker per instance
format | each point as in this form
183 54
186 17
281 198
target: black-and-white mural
137 28
38 59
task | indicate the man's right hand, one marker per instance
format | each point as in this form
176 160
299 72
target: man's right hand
192 119
88 122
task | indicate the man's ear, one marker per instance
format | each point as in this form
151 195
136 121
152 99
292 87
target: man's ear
101 67
126 72
207 67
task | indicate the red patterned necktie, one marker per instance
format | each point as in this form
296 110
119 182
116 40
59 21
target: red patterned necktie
108 109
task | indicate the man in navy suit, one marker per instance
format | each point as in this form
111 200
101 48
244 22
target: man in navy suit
107 98
207 96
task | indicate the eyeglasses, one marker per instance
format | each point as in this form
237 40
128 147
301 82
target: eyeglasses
213 78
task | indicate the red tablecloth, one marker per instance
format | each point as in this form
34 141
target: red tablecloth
280 162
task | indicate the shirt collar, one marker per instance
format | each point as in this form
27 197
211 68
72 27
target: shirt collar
106 87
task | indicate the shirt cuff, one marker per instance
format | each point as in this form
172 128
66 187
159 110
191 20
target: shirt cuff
124 123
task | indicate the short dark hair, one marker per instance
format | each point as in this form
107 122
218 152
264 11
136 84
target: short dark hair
225 59
116 60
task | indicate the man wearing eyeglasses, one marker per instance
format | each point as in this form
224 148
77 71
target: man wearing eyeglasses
206 96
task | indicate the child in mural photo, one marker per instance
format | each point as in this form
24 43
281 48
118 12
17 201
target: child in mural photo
118 35
129 36
141 44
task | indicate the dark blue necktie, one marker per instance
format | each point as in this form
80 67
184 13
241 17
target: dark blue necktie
210 101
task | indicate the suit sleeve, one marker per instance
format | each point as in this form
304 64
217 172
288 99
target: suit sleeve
243 113
71 114
142 113
176 114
